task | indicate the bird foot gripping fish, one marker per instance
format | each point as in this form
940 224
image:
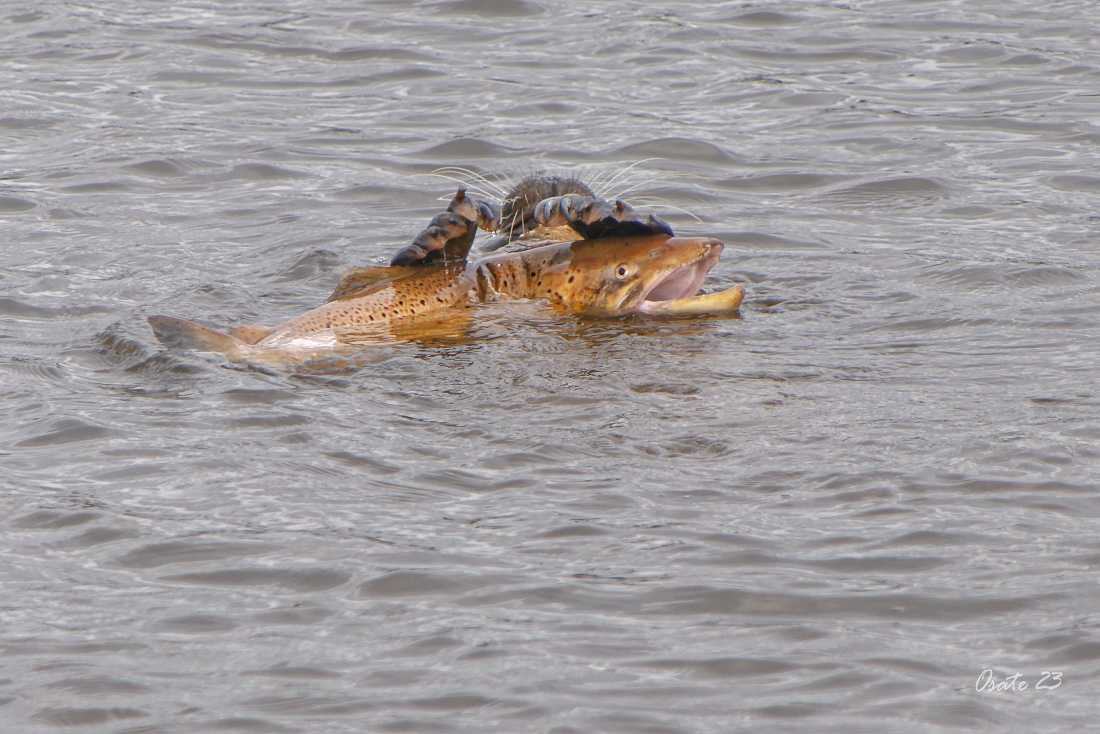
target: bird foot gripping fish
621 264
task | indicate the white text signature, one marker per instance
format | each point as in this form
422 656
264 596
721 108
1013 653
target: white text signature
987 681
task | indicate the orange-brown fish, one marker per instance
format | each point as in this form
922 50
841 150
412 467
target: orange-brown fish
651 274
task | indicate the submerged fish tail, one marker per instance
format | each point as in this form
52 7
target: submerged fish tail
180 334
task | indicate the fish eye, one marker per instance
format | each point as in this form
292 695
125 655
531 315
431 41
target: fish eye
622 271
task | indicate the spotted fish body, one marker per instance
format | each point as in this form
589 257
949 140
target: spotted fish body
654 273
388 295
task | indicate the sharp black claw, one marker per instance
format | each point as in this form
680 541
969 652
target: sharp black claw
659 226
411 255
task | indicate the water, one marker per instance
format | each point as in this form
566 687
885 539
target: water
831 514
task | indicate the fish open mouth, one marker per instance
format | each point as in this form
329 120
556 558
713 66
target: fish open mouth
683 281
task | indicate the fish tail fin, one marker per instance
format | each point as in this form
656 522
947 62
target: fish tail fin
179 334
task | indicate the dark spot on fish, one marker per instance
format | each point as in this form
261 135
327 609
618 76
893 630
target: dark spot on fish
423 302
571 278
372 318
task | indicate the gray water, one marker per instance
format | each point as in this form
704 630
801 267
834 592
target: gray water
830 514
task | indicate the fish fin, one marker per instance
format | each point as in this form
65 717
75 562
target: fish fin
358 281
251 333
179 334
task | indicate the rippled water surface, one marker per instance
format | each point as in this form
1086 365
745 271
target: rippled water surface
830 514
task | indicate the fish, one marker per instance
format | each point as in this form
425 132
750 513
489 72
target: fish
654 274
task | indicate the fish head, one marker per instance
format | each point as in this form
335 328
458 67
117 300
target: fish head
616 276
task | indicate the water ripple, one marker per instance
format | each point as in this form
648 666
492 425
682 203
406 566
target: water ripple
832 512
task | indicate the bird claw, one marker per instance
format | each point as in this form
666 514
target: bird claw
449 235
594 218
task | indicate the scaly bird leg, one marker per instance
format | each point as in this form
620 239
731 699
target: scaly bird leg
449 235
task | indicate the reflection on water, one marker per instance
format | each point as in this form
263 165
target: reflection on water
833 512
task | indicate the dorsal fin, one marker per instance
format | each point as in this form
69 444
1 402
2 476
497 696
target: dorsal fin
361 281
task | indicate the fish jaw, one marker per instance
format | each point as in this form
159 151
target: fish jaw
704 304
